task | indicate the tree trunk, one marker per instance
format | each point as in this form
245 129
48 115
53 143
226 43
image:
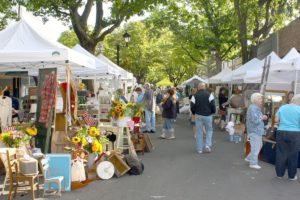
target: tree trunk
90 46
242 21
218 63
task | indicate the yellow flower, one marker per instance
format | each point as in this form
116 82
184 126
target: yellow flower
81 86
31 131
95 146
83 141
75 140
122 115
93 132
100 148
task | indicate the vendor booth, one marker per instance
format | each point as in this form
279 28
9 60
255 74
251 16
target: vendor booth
77 150
217 79
194 81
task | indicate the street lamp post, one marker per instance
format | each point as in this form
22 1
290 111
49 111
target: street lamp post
127 38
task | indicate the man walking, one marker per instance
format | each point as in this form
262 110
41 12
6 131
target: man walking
149 107
203 106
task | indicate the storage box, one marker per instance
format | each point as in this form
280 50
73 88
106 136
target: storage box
28 167
120 166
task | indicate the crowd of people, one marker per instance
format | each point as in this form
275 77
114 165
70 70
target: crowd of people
162 101
202 108
165 102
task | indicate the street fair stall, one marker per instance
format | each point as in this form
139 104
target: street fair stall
217 79
76 150
274 78
194 81
283 75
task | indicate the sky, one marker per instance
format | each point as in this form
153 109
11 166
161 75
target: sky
57 27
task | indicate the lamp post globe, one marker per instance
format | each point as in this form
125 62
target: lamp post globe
213 51
127 37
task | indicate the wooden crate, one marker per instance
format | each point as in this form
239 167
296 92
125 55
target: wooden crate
121 167
148 143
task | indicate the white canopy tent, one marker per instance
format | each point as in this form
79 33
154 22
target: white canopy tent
217 79
281 73
101 68
237 75
26 49
122 73
194 80
23 48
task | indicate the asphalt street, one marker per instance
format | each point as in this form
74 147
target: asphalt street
175 171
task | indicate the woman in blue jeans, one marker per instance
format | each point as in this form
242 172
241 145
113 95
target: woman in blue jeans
169 114
288 138
255 129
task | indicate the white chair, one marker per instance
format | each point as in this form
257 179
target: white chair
48 180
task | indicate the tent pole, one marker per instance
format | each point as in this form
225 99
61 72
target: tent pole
68 98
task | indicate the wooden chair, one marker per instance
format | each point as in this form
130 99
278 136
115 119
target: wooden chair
16 177
48 180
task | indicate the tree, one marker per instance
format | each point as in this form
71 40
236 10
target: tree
257 19
68 38
201 25
6 12
152 54
70 12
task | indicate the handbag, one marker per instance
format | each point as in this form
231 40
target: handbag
271 133
157 110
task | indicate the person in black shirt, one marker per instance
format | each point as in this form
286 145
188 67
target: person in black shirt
169 114
203 106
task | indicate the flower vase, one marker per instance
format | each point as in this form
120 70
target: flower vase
91 159
123 122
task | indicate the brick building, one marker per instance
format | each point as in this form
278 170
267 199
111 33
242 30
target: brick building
281 41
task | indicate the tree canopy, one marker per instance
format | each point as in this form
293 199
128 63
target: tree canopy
7 12
178 37
77 12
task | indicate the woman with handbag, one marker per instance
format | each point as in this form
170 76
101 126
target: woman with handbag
288 139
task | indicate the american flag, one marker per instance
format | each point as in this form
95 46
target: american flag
9 128
88 119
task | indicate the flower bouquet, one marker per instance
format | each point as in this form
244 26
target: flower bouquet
19 137
90 139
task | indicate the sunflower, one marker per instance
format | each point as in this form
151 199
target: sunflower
95 146
31 131
76 140
93 132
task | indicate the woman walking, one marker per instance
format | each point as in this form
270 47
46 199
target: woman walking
288 139
255 129
169 114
